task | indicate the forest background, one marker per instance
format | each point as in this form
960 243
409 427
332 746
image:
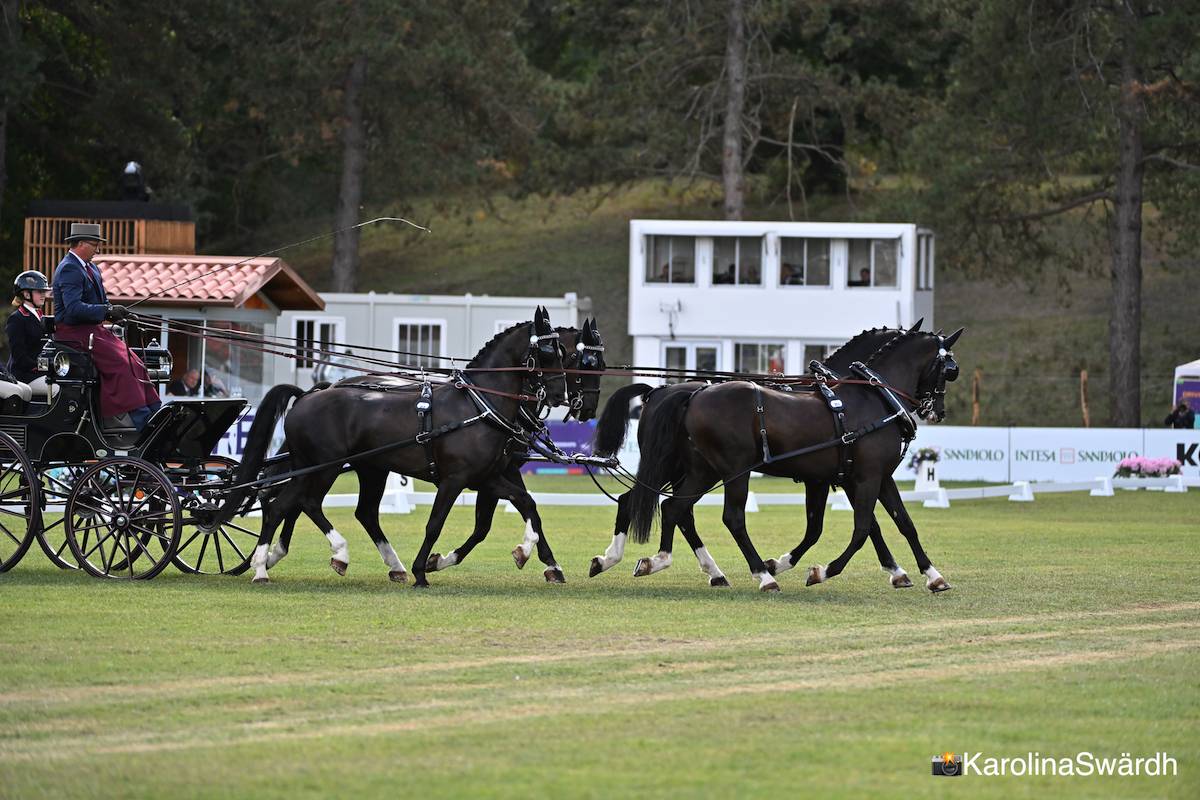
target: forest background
1054 147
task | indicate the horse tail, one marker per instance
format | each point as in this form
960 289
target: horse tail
663 461
614 420
272 407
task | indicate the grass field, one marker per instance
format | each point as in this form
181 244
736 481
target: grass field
1073 625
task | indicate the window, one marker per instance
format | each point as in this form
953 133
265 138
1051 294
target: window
737 260
314 333
758 357
670 259
804 262
924 262
231 370
816 352
419 342
690 356
872 262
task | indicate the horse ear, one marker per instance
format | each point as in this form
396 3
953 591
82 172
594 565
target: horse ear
952 338
917 326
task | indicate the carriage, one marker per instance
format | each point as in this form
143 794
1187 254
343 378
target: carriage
118 503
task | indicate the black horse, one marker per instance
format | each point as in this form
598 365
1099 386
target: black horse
722 432
585 365
610 435
473 418
583 362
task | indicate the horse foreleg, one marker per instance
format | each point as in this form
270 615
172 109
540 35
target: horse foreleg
687 526
515 492
815 495
734 517
485 509
443 501
863 495
372 483
889 496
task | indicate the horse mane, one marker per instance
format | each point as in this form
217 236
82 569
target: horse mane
492 343
894 344
856 339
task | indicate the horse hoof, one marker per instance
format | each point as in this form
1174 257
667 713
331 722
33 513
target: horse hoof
719 583
769 587
339 567
901 582
642 569
815 575
519 557
554 575
771 565
596 568
398 576
939 585
420 582
432 564
261 580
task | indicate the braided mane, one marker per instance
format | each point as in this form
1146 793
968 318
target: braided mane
894 344
859 337
491 344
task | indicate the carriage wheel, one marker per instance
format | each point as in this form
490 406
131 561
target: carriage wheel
122 519
19 498
56 483
214 550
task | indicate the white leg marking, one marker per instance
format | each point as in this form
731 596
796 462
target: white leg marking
530 541
707 565
447 561
259 561
659 562
276 554
615 552
766 583
337 545
931 576
783 563
816 574
897 574
390 558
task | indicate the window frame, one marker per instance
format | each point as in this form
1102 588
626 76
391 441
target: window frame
650 260
339 330
806 285
737 262
871 240
437 322
783 349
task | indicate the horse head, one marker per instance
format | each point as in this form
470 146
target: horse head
586 360
544 356
921 363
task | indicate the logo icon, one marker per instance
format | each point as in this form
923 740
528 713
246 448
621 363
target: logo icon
948 765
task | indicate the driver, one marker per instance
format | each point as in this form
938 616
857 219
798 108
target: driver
127 397
27 329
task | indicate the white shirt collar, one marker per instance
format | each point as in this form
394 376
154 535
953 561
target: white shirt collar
36 311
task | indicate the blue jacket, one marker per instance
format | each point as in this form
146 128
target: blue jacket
78 300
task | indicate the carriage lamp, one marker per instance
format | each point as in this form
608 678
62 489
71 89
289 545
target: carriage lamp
43 363
62 364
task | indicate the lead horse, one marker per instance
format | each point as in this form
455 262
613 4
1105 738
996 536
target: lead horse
720 433
471 420
610 435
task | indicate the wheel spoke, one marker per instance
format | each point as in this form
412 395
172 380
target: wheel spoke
9 534
128 549
149 532
217 544
233 544
183 546
88 553
200 558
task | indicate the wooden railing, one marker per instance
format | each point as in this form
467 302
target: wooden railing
44 246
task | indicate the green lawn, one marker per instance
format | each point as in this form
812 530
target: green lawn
1073 625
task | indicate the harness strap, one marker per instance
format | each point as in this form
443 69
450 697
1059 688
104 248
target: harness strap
425 416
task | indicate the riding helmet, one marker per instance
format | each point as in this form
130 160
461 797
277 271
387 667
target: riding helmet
30 279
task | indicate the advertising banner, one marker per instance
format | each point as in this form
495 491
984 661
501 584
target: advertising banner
1183 446
1187 390
967 454
1070 454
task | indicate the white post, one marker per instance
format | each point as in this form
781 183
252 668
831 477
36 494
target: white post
400 489
941 500
1022 492
1104 489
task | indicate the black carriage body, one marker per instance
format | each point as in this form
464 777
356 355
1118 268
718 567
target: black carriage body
67 429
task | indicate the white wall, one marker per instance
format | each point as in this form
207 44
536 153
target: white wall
467 321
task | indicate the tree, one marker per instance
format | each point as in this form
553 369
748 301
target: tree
1094 118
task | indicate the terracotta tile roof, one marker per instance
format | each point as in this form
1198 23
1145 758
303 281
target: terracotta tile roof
210 281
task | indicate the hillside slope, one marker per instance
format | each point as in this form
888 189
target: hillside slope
1029 339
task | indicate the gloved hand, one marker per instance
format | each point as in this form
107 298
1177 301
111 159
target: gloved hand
116 313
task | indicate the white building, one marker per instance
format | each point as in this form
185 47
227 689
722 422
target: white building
770 296
442 325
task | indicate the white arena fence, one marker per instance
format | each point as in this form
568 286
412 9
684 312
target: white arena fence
1022 462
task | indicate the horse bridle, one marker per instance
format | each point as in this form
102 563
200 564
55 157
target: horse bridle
946 368
580 361
536 379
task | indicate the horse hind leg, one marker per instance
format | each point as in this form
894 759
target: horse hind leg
312 495
279 550
669 512
616 548
371 486
687 526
